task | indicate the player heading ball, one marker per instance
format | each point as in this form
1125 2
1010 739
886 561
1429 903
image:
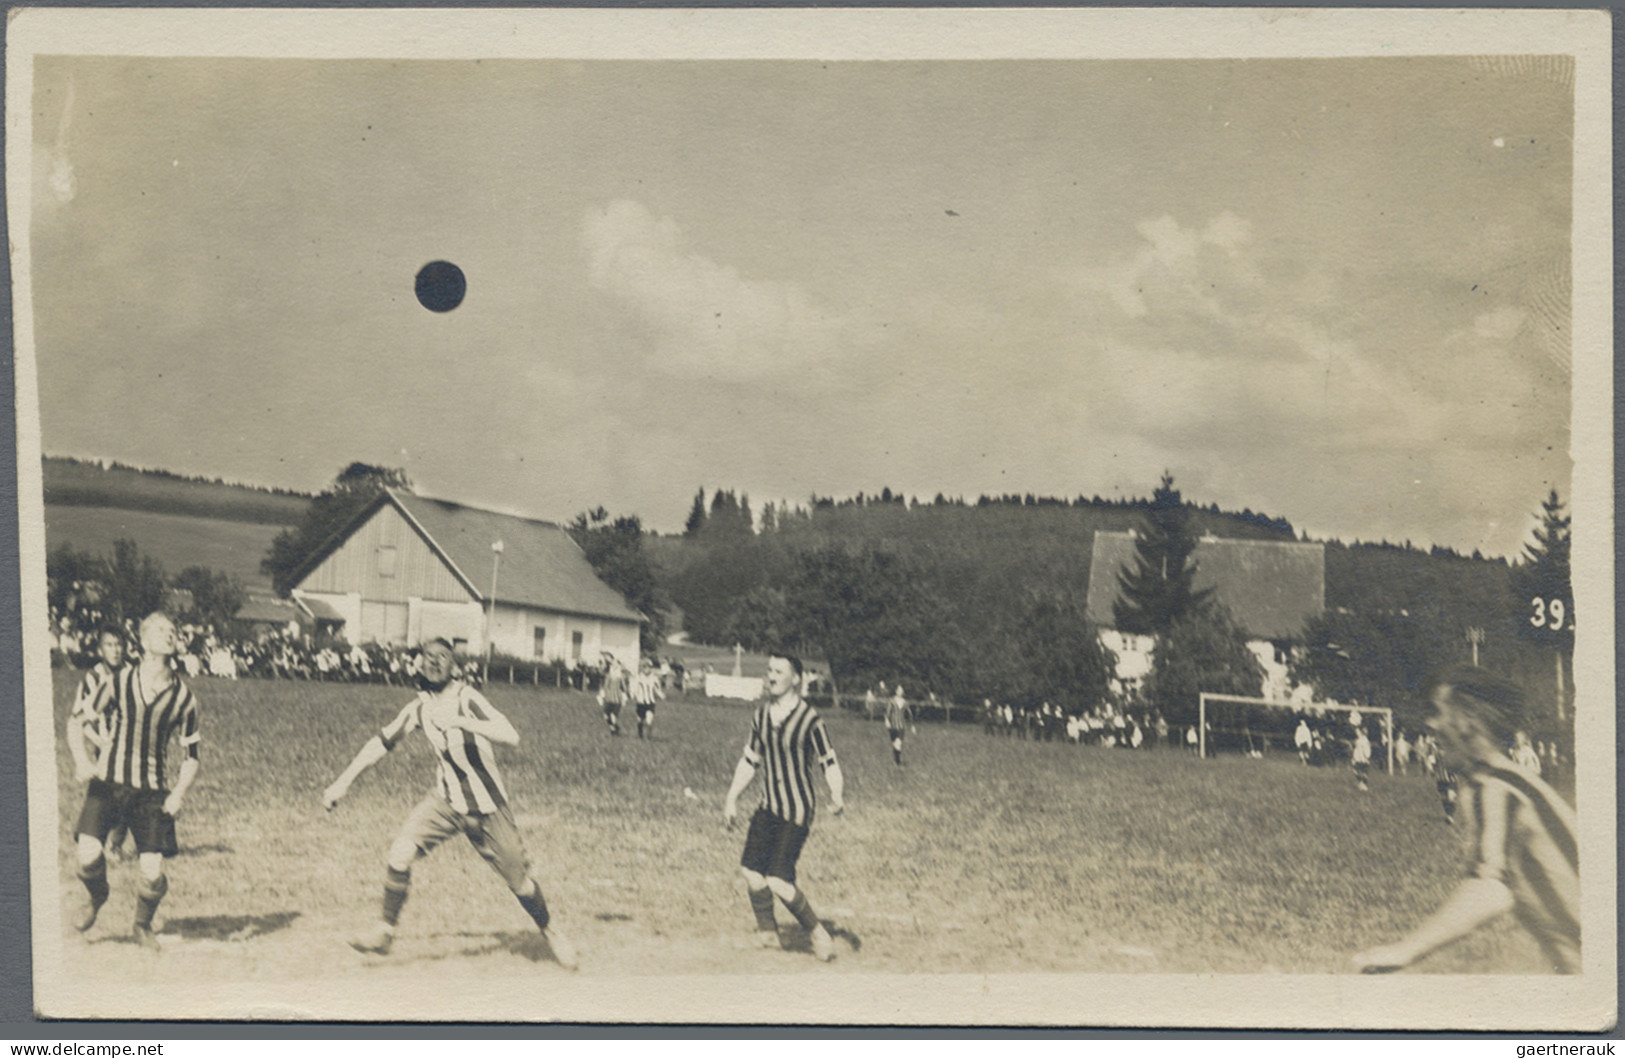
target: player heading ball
467 798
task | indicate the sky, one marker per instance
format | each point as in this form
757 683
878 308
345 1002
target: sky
1332 290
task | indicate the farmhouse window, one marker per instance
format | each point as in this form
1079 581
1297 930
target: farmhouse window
575 646
386 561
541 643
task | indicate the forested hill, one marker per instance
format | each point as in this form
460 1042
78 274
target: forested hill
76 483
988 555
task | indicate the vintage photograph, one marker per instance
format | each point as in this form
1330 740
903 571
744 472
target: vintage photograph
1091 518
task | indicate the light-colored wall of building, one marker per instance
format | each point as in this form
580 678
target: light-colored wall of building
385 560
1135 656
461 622
514 628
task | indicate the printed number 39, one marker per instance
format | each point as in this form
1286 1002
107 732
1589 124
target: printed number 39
1547 614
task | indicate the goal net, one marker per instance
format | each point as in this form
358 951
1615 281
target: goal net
1229 723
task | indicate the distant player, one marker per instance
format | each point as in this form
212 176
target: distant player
646 692
897 718
140 708
612 694
109 657
468 797
786 737
1360 759
1304 739
1523 852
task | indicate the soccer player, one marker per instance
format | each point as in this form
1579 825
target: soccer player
1303 739
786 737
897 717
1361 760
109 657
1524 854
139 708
612 694
468 797
645 690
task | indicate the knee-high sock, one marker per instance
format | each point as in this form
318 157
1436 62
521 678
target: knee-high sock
94 875
147 896
397 884
535 906
803 911
761 902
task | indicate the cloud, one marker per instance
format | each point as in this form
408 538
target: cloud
1501 325
1215 347
702 317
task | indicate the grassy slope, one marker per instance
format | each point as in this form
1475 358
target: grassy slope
176 541
88 485
981 855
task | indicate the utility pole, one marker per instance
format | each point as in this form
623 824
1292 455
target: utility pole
491 610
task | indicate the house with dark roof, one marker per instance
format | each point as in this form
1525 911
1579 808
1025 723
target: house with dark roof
1272 588
409 568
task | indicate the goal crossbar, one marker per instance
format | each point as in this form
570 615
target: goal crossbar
1386 713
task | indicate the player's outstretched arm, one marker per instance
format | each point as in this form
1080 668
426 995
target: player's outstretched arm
744 772
1474 902
369 754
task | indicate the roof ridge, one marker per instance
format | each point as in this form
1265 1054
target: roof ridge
483 510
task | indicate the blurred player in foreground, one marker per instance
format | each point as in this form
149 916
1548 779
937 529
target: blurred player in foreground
1522 847
468 797
786 737
109 659
136 711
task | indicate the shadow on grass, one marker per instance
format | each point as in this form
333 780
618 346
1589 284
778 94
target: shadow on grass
793 939
206 850
612 916
527 944
230 927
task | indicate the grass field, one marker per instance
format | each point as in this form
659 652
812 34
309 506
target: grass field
981 855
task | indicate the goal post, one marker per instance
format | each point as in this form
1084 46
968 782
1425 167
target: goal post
1204 699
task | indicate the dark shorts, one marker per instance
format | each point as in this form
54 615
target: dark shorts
612 708
645 710
110 805
894 734
772 846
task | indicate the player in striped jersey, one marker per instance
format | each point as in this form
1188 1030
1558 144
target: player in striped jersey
1523 851
109 657
786 737
468 796
139 709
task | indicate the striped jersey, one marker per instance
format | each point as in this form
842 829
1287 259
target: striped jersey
87 698
1523 835
137 724
785 753
467 775
896 714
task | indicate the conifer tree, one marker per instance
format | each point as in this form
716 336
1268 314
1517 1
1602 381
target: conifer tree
1545 595
1158 589
696 515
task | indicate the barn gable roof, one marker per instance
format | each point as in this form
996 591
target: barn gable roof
1272 588
541 565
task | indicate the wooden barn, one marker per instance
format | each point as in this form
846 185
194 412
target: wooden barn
1271 588
409 568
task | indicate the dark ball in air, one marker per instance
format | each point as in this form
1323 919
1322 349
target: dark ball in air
441 286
